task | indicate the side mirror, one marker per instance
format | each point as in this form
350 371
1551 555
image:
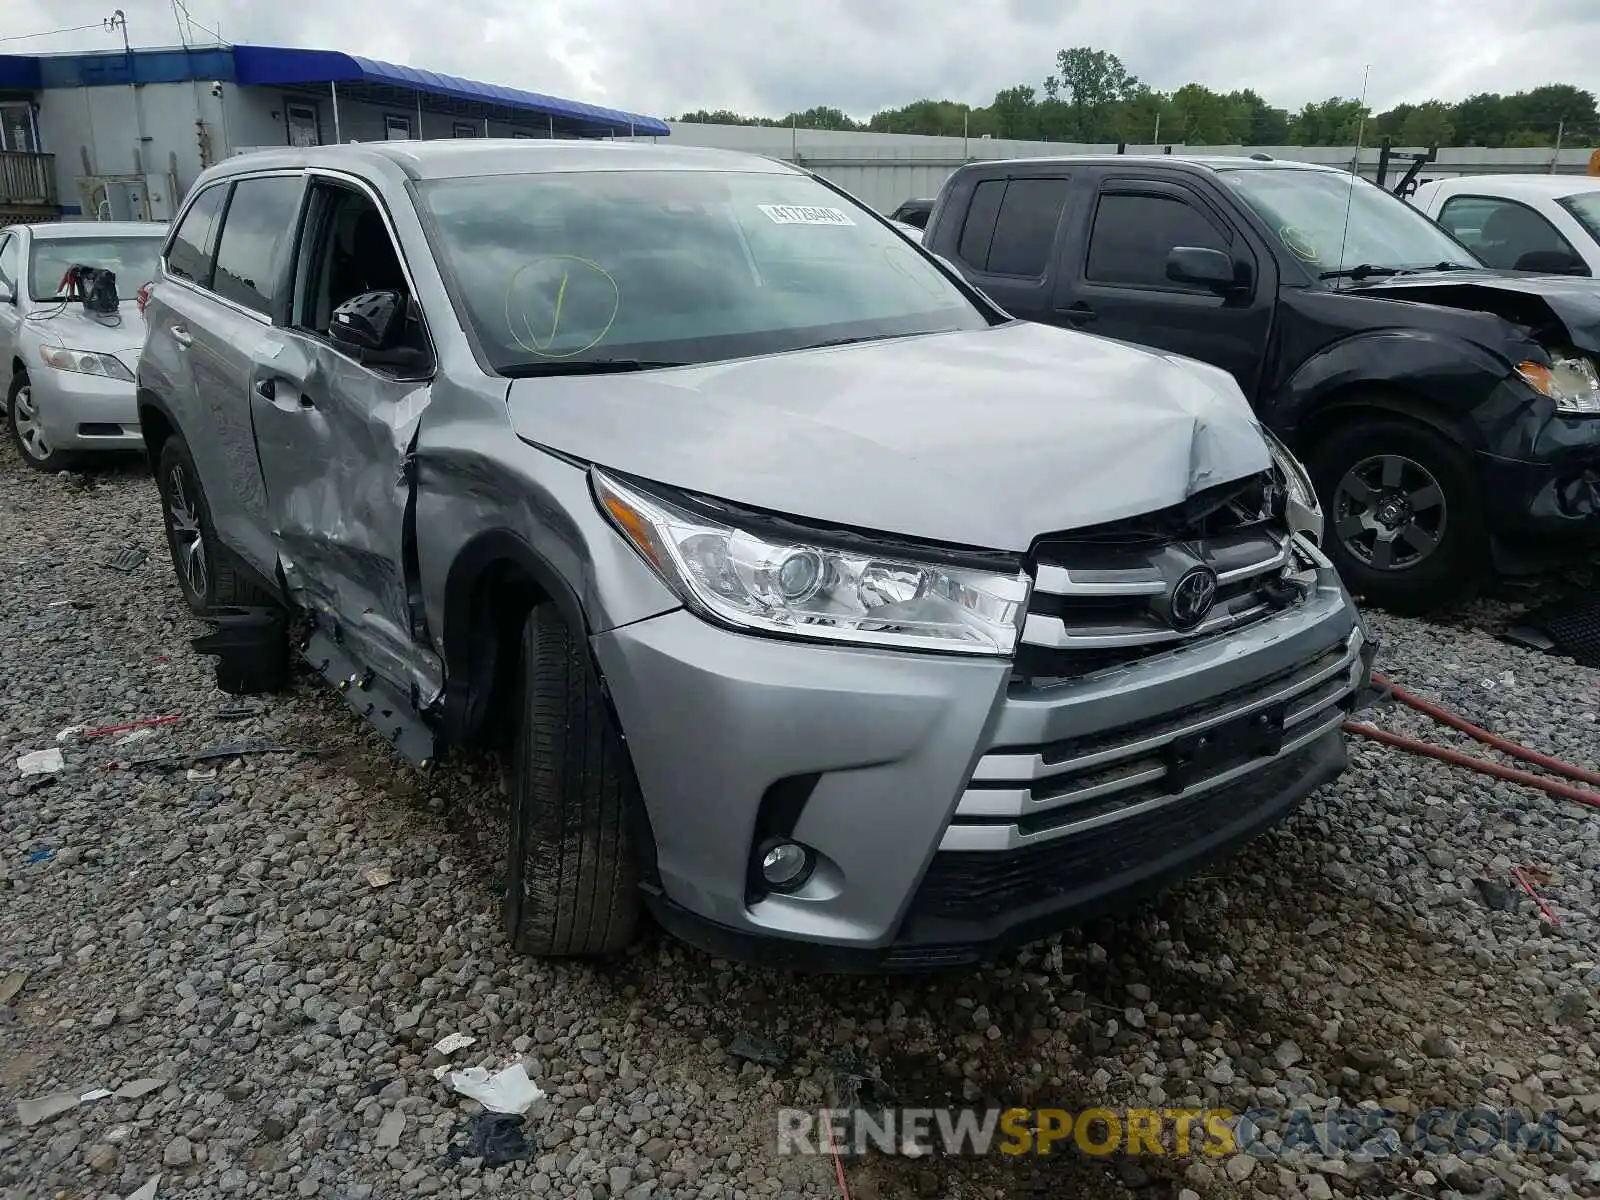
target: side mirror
1551 262
1203 267
7 295
369 323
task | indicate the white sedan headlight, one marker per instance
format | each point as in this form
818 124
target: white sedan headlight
773 584
1304 510
85 362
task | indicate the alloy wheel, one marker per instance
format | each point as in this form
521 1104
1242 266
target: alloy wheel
1389 512
30 433
187 536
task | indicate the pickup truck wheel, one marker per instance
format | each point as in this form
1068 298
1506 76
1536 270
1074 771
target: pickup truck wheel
22 418
206 573
571 879
1404 518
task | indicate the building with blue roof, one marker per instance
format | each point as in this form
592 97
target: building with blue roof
123 134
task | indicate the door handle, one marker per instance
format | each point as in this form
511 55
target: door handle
1080 313
182 336
294 398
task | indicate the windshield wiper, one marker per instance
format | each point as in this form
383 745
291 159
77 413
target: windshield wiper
1364 271
588 366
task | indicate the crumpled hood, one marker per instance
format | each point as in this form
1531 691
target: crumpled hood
986 438
1568 300
121 335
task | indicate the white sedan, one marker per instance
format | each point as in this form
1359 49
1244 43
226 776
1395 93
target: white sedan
1545 223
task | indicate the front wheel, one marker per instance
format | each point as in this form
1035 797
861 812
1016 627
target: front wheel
571 878
1405 521
27 428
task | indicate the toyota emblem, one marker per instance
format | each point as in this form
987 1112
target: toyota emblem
1192 598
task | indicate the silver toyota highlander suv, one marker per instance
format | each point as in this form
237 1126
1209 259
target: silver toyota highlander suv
820 608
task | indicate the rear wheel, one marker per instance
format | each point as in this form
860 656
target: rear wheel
207 574
571 878
1405 520
27 428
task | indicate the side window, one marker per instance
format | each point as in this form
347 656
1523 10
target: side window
978 230
347 251
189 256
256 233
1502 231
1133 234
10 258
1025 231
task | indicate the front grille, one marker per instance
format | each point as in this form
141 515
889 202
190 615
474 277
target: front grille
1098 594
1027 794
981 886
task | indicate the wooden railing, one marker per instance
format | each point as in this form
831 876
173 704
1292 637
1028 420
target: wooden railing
27 178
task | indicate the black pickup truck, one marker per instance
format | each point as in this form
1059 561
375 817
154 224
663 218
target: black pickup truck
1448 415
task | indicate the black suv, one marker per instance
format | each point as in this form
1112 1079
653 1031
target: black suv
1449 415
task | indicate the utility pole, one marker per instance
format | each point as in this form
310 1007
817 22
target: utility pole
1555 161
1155 138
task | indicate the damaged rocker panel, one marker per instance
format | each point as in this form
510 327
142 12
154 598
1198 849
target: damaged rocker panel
371 697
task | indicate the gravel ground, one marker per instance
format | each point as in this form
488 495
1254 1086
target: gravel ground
221 953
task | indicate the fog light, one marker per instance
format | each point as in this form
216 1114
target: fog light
785 865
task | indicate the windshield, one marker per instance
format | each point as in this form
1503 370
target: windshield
666 267
1307 210
1585 206
133 259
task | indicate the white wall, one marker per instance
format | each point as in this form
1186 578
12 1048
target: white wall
115 130
882 169
107 130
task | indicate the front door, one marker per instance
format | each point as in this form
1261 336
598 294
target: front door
335 438
1115 282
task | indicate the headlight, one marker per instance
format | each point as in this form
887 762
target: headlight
1304 510
85 362
1570 380
772 583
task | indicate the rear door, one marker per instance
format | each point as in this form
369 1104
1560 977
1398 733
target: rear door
335 435
1007 241
1114 282
232 330
185 365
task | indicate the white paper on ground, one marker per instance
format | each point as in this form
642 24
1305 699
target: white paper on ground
40 762
507 1091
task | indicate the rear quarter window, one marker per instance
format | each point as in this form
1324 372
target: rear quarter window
194 241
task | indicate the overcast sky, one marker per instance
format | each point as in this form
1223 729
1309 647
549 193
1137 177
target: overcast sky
663 57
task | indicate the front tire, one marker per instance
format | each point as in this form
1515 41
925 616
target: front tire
571 874
27 431
207 575
1405 520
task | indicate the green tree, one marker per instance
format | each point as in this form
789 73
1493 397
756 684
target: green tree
1335 121
1092 82
1264 125
1427 124
1205 118
1092 96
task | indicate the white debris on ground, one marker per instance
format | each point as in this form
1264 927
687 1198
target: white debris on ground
264 967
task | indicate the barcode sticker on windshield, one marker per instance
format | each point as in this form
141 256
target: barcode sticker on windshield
800 214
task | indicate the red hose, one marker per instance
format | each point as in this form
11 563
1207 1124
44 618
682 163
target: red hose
1446 717
1445 754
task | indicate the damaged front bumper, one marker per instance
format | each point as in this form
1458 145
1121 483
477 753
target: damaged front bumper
1545 493
953 808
